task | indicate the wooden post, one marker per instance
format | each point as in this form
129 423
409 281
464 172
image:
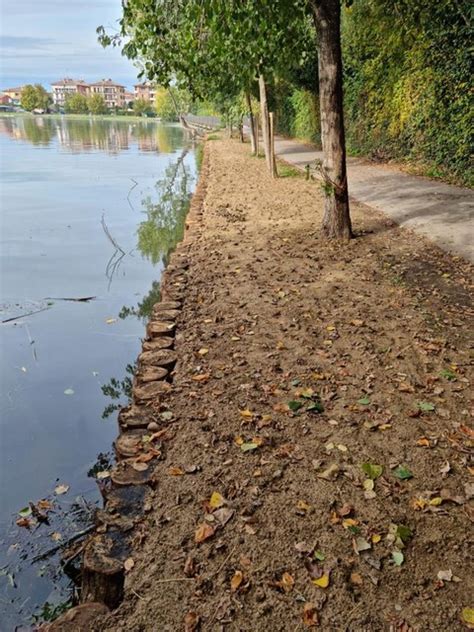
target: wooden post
253 142
274 171
265 122
257 137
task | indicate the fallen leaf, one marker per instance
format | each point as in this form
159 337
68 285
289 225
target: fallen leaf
403 473
61 489
376 538
356 578
247 414
203 532
236 581
249 446
426 406
25 512
109 321
364 401
216 501
24 522
360 544
468 616
372 470
44 505
398 558
223 515
331 473
445 576
295 405
444 471
287 582
423 442
191 622
128 564
323 581
56 536
69 391
201 377
102 475
203 351
310 615
175 471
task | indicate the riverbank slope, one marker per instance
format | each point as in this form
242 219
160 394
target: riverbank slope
315 470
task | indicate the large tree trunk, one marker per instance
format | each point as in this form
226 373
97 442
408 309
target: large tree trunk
253 140
336 221
264 120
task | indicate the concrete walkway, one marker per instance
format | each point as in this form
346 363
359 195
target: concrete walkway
441 212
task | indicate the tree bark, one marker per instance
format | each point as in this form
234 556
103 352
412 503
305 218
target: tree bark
264 121
253 141
336 221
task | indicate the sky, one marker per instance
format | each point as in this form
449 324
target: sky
42 41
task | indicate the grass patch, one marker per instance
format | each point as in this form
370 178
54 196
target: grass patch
213 137
286 171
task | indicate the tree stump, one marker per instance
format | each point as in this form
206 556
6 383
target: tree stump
80 618
167 305
150 391
157 328
166 314
160 358
163 342
103 576
151 373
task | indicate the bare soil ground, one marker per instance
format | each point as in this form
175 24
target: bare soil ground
317 472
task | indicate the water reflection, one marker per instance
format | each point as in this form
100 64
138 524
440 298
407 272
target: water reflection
158 236
78 135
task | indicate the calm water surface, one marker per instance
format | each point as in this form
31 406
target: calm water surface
89 208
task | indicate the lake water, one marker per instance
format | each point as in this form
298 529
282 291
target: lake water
89 208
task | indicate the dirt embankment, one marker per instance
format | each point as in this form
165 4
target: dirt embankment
315 472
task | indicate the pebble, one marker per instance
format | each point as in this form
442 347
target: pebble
153 426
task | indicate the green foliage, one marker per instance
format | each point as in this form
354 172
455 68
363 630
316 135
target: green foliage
96 104
34 97
297 113
407 78
141 106
76 103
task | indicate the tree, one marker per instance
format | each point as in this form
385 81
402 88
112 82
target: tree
34 97
336 221
164 105
96 104
141 106
76 103
217 48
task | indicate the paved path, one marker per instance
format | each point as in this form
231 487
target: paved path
442 212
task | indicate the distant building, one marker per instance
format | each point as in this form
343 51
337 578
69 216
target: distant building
14 94
113 93
146 91
67 86
5 99
129 98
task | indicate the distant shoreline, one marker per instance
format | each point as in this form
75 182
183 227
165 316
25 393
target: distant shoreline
109 117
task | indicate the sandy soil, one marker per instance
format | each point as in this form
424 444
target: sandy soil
370 344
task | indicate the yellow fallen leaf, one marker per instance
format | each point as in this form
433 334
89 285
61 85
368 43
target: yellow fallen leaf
356 578
331 328
203 351
236 581
349 522
468 616
216 501
238 440
56 536
322 582
247 414
376 538
301 504
318 376
436 501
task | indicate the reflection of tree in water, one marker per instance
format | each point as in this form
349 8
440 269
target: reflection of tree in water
117 390
159 234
